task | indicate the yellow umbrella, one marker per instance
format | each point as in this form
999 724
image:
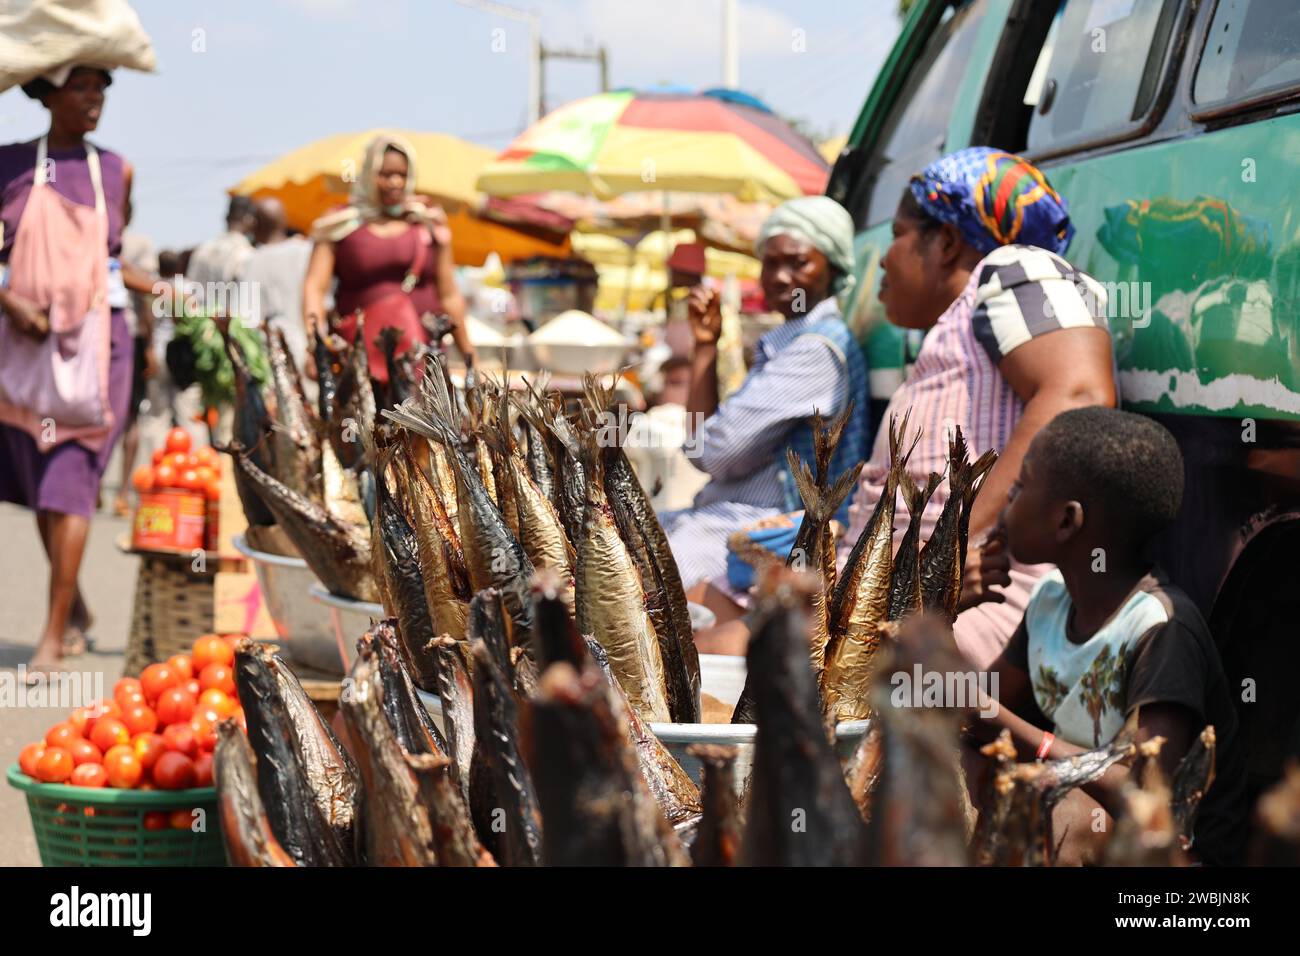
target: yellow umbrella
831 148
315 178
632 276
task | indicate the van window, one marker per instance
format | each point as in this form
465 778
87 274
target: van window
916 131
1251 47
1097 70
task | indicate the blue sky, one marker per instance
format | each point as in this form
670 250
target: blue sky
274 74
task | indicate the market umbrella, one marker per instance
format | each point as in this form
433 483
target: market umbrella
315 178
631 274
716 141
719 220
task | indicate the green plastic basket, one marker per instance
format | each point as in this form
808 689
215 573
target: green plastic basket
91 826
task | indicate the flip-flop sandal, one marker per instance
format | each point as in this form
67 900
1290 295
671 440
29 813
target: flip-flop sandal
75 643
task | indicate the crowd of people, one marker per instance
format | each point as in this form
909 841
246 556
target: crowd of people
1017 353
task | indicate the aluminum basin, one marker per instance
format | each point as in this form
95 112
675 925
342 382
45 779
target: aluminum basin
302 625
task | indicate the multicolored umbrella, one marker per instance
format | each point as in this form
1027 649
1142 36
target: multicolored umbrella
717 141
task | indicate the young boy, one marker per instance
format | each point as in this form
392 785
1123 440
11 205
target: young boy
1106 632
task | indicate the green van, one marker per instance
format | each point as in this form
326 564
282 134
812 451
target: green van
1172 127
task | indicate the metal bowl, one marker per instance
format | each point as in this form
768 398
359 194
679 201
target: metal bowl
349 619
721 676
302 625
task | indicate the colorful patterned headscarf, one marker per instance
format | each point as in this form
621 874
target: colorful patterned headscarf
995 199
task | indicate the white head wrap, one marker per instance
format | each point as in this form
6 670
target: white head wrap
821 221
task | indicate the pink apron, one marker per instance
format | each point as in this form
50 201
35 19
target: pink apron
56 389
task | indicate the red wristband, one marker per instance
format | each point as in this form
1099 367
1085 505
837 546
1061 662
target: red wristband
1046 745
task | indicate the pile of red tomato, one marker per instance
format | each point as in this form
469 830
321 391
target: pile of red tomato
154 733
175 467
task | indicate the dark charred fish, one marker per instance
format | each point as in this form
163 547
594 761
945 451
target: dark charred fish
921 814
555 635
398 829
1027 792
799 811
399 380
326 380
401 565
596 807
338 553
454 841
717 838
1192 781
496 731
862 771
415 729
245 829
251 429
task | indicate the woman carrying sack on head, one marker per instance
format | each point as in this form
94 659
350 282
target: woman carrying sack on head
391 255
65 347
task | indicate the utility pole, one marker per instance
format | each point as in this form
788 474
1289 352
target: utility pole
599 56
534 22
730 46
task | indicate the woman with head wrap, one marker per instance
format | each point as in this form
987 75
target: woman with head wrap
809 364
391 255
65 345
1015 336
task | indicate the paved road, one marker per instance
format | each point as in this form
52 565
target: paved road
108 582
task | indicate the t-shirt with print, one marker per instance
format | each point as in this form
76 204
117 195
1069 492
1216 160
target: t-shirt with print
1155 648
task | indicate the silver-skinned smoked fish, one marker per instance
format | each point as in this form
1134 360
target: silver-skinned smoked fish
456 691
493 555
670 785
647 545
282 779
611 603
905 587
331 772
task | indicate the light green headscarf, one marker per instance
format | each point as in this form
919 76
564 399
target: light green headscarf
821 221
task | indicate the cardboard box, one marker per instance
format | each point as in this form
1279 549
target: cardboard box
231 520
238 608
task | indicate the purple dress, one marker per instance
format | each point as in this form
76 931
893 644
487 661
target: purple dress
66 479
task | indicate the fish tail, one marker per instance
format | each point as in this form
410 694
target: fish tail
977 473
819 501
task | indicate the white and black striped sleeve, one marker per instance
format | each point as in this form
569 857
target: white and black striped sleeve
1024 292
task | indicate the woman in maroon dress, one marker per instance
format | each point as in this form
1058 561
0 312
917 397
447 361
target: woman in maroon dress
61 209
392 258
